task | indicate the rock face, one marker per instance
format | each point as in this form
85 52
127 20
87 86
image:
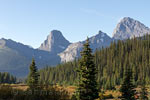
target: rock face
71 52
55 43
128 28
96 42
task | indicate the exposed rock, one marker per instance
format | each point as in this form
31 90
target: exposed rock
128 28
73 50
55 43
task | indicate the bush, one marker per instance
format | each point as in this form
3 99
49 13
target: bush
50 93
5 92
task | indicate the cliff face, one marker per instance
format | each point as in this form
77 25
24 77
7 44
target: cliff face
55 42
96 42
128 28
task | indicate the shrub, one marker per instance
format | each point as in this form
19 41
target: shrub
50 93
5 92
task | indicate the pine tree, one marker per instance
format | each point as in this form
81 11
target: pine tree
127 88
33 78
87 88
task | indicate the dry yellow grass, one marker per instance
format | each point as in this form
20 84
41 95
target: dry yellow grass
18 86
115 94
71 89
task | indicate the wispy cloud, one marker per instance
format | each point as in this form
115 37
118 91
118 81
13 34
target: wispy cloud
97 13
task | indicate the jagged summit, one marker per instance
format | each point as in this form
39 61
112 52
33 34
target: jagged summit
55 42
73 51
128 28
56 33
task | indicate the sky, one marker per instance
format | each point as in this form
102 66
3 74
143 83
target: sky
30 21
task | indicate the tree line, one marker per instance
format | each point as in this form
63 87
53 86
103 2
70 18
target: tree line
111 63
35 90
86 72
5 77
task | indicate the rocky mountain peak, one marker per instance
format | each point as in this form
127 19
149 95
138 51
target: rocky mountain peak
128 28
55 33
73 51
55 42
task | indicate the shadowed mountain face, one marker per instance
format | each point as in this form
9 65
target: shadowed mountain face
16 57
55 43
128 28
96 42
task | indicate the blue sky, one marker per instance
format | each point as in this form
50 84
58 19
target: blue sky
30 21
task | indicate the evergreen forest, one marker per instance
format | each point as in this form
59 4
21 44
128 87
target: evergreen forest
111 63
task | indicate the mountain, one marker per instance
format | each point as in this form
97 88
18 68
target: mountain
16 57
96 42
128 28
55 42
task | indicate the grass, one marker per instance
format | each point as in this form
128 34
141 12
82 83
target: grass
113 94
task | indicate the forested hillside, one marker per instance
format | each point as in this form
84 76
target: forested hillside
111 63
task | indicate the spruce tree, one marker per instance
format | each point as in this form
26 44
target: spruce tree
127 88
33 78
87 87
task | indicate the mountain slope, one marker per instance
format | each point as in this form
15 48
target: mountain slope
16 57
55 43
128 28
96 42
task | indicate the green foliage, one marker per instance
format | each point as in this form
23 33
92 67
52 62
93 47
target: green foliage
35 91
87 87
63 74
127 88
33 78
7 78
111 63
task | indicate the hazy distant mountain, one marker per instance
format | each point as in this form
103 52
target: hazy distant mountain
55 42
73 50
16 57
128 28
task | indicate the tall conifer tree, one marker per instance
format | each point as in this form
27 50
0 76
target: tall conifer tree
87 88
33 78
127 88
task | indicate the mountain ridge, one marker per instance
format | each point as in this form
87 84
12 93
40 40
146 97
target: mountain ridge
16 57
73 51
